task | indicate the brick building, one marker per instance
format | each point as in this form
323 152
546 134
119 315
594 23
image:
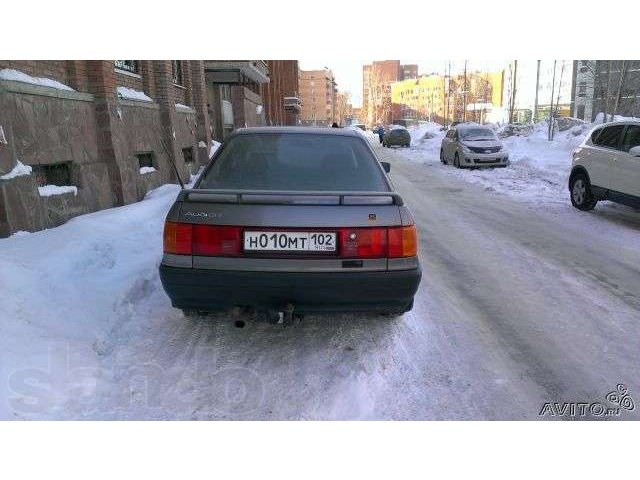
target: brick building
377 78
107 130
280 95
234 94
318 94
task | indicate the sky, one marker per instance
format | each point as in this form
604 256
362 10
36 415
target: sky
348 73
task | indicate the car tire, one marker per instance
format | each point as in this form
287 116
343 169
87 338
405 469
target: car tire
580 192
456 160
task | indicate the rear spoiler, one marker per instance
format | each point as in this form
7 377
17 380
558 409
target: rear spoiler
274 197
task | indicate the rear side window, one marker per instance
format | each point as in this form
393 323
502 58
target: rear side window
631 138
608 137
295 161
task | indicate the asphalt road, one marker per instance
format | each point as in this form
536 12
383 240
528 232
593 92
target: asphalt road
519 305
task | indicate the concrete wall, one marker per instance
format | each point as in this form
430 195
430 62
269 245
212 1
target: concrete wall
46 126
98 135
245 107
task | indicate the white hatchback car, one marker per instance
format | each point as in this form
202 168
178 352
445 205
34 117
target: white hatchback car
472 146
607 166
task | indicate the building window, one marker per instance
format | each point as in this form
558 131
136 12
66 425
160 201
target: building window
131 66
54 174
176 70
187 155
225 92
145 159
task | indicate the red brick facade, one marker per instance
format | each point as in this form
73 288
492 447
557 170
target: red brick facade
283 82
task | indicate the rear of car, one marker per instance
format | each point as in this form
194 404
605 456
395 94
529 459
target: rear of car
399 137
291 217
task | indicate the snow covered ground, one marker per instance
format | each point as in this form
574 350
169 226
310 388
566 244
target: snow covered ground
539 169
518 306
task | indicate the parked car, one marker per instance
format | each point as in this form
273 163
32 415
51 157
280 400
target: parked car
607 166
291 219
472 146
398 136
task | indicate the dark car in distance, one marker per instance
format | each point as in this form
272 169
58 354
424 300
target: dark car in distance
291 219
396 136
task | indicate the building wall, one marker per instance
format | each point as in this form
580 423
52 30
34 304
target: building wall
283 82
426 97
409 71
318 96
96 135
376 93
611 76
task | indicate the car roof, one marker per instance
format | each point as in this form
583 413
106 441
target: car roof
343 132
619 122
464 126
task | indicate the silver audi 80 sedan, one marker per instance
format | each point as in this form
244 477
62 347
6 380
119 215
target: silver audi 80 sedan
291 219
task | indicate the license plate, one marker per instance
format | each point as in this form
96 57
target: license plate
290 241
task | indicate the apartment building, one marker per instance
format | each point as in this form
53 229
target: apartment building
377 78
318 94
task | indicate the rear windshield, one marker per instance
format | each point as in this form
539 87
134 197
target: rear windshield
295 161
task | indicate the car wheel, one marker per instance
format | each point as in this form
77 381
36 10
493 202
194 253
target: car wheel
581 195
456 160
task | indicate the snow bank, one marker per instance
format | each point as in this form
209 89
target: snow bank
131 94
426 131
144 170
65 293
51 190
19 170
18 76
539 169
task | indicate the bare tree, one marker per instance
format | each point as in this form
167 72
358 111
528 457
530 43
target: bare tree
343 107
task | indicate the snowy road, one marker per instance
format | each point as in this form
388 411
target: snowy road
519 305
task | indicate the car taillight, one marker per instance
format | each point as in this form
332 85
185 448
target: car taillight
403 241
177 238
363 242
391 242
216 240
191 239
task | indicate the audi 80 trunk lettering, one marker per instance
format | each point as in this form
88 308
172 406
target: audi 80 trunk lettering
291 217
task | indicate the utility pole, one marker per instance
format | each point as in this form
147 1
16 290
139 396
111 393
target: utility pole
553 86
464 97
535 105
514 86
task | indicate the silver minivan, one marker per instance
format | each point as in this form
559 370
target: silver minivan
607 166
292 219
473 146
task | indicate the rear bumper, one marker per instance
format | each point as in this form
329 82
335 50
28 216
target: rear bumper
204 289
